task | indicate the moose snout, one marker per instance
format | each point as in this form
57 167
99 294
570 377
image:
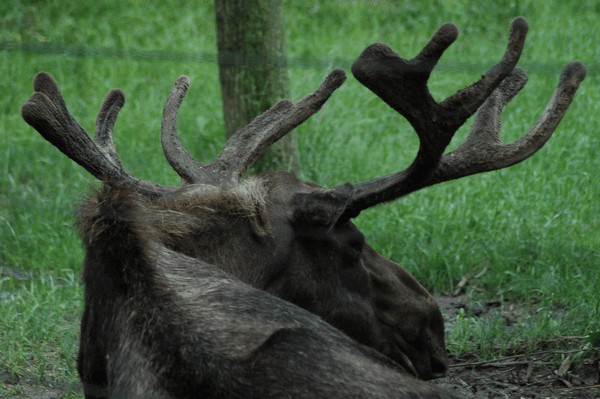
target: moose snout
432 339
439 367
438 364
427 355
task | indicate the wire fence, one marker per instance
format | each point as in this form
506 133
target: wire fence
305 62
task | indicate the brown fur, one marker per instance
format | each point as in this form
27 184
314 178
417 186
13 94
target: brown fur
160 324
251 232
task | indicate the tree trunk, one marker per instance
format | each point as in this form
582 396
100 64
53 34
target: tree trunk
252 69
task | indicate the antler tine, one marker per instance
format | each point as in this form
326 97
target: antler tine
46 112
105 123
402 84
190 170
179 159
465 102
483 151
246 145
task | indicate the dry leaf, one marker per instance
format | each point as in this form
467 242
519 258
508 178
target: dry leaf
565 365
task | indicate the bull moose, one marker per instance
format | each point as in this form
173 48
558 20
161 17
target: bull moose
262 286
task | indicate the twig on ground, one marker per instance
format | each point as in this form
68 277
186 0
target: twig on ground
528 373
460 286
501 361
582 387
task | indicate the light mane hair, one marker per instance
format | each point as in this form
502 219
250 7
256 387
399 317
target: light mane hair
195 207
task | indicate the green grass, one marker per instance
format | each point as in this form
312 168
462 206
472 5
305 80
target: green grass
534 226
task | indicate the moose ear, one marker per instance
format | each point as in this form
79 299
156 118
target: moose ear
321 208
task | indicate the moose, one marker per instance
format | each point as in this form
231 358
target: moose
261 286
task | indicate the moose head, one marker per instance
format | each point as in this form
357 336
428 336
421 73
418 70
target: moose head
288 238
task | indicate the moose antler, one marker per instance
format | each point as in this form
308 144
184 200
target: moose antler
248 144
47 112
402 84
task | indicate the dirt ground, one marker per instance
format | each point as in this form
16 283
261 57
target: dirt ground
523 379
548 373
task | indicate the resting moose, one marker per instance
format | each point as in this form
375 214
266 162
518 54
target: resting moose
262 286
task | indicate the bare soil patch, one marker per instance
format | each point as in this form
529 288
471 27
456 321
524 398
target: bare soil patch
523 377
549 372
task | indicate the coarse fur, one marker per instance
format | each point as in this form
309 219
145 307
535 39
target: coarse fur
160 324
250 232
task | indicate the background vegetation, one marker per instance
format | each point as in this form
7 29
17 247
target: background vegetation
533 228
